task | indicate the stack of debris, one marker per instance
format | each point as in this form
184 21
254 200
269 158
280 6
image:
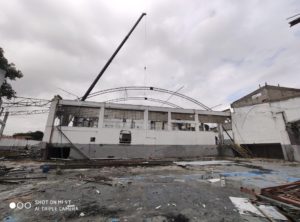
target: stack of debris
286 197
96 179
18 175
257 209
4 170
32 152
274 203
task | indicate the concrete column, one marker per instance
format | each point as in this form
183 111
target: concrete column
280 123
101 117
197 122
220 133
169 122
146 113
50 120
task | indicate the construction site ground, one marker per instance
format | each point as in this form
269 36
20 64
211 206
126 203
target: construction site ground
179 191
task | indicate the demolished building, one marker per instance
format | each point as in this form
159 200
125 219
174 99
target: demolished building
95 130
267 122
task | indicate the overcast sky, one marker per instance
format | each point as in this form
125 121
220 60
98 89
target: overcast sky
217 50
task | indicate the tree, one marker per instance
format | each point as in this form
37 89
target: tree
37 135
11 73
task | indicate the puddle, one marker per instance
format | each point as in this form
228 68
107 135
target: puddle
247 174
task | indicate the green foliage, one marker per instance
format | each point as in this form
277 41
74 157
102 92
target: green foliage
37 135
11 73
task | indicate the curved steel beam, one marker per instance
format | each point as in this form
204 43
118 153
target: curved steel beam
156 89
143 98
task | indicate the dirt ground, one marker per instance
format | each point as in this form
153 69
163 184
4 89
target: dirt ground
150 194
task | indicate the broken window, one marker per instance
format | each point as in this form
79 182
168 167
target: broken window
122 118
184 121
182 116
184 126
125 137
210 122
203 127
157 120
78 116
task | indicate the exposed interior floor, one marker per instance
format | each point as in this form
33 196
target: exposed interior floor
178 192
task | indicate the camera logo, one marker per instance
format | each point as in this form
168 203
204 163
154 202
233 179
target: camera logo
20 205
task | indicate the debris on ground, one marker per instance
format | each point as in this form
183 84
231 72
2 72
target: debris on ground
272 212
214 180
203 163
245 207
150 193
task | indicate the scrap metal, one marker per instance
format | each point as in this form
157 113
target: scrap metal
287 193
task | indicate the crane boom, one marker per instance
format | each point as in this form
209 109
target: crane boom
111 58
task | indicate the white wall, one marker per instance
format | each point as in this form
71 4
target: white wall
264 123
139 136
17 143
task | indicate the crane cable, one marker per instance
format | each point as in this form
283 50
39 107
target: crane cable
145 57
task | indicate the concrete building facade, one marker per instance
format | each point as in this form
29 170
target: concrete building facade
96 130
267 121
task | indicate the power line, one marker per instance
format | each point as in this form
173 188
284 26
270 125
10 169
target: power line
25 102
23 106
27 112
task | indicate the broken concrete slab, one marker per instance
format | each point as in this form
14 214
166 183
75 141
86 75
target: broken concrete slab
245 207
272 212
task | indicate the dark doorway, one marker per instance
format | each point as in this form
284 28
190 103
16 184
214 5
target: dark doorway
58 152
266 150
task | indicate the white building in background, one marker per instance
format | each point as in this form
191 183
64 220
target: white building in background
267 121
94 130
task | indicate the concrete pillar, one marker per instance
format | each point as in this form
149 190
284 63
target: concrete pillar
146 113
220 133
49 127
101 117
169 122
197 122
50 120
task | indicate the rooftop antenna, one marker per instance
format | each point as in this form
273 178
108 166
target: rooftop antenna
111 58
